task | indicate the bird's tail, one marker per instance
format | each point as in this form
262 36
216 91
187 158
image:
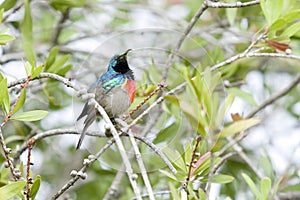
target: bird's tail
90 111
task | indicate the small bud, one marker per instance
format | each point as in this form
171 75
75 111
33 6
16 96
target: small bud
193 165
81 92
30 181
187 164
134 176
73 173
6 165
197 154
86 161
16 170
18 175
288 51
91 157
7 150
106 126
82 175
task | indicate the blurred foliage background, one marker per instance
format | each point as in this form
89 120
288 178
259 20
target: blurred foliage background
75 39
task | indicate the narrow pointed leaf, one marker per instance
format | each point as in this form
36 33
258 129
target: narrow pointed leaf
220 178
247 97
168 174
27 35
20 101
8 4
4 97
59 63
11 190
265 187
28 68
5 38
51 58
251 184
35 187
238 126
37 71
292 30
34 115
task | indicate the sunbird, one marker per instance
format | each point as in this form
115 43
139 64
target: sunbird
114 91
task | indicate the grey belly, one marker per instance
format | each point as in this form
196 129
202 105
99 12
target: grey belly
115 102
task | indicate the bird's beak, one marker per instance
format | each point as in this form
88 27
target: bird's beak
123 56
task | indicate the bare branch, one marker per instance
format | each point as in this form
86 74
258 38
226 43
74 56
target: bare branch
188 29
275 97
238 4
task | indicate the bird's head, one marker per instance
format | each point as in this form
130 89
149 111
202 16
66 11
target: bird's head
119 63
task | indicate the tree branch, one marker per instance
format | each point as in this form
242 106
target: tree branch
238 4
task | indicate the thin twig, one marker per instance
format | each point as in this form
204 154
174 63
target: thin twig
111 192
28 179
160 193
194 155
141 166
6 154
81 172
238 4
275 97
59 27
188 29
7 151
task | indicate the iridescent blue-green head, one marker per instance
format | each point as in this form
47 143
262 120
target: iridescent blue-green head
118 63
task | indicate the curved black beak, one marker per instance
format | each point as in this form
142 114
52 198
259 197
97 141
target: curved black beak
123 56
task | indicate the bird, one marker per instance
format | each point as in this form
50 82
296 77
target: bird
115 91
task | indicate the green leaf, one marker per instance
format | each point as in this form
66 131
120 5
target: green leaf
231 13
63 5
51 58
166 133
64 70
35 187
201 194
58 64
265 187
227 103
292 30
1 14
238 126
251 184
275 187
271 9
220 178
37 71
8 4
33 115
291 188
4 97
11 190
174 191
278 24
175 157
168 174
27 35
247 97
20 102
28 68
5 38
155 73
